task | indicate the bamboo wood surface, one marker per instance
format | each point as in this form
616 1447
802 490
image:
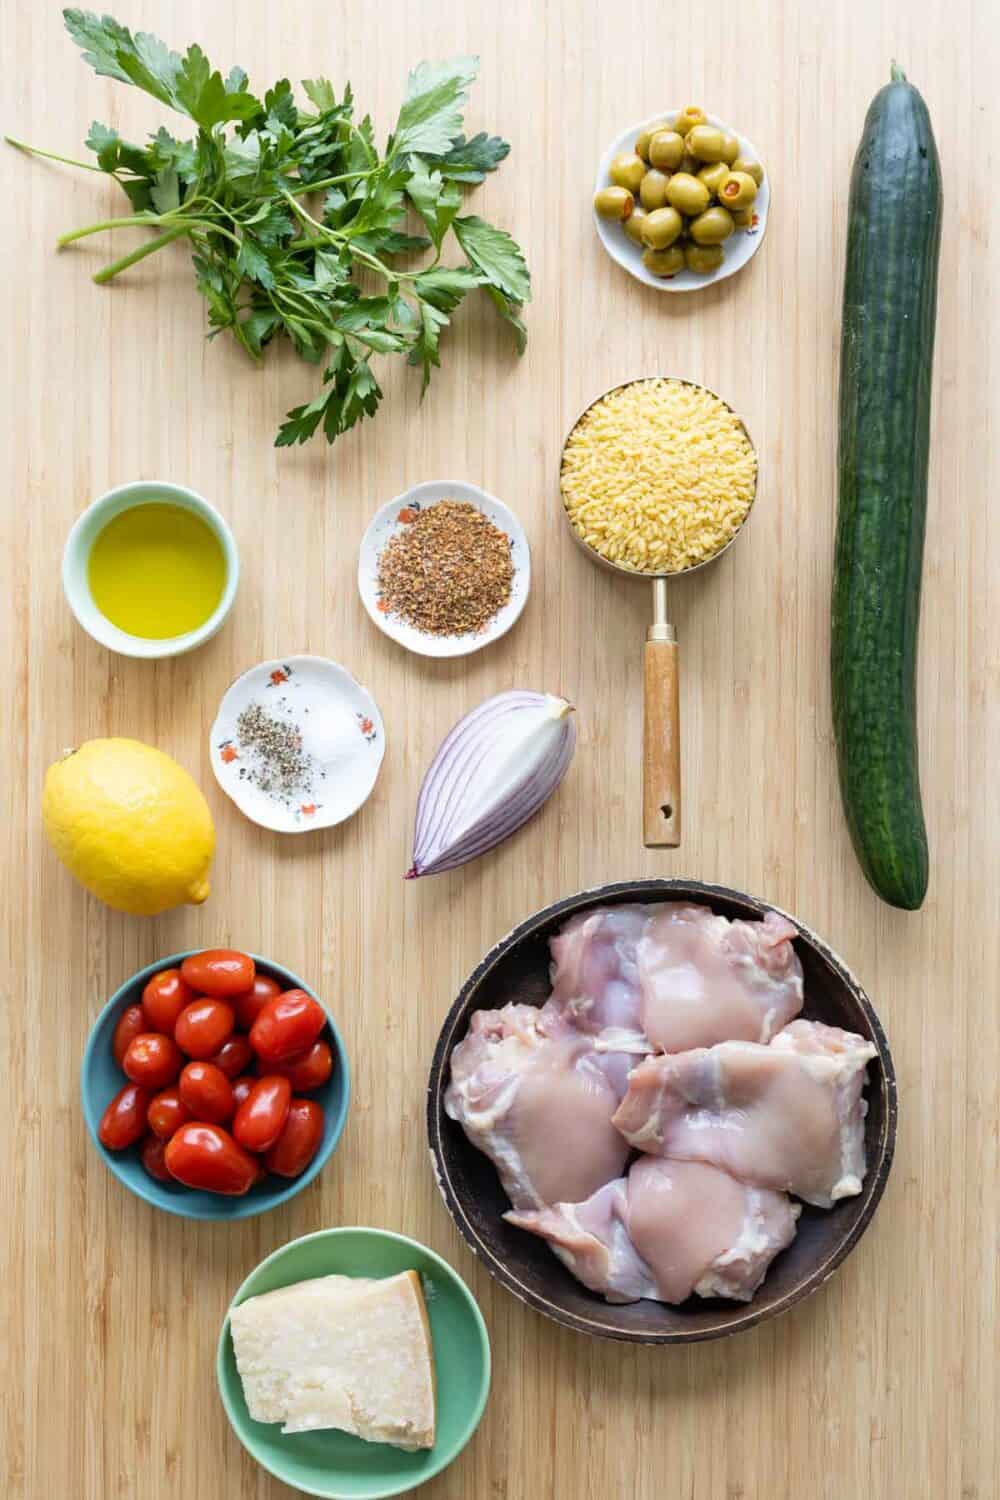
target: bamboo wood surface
662 823
885 1384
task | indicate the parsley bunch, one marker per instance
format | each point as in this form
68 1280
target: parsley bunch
271 255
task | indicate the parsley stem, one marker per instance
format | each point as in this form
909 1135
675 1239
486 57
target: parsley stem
67 161
140 254
79 234
327 182
335 237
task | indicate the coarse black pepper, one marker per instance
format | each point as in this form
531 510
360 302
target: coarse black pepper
448 571
272 750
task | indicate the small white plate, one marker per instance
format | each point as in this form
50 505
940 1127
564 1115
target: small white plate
342 733
397 514
738 249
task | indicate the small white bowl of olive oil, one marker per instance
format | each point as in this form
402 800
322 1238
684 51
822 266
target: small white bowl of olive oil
150 569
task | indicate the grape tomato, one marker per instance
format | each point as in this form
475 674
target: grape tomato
131 1023
234 1056
203 1026
306 1070
261 1117
124 1120
206 1093
167 1113
206 1156
299 1141
249 1005
220 972
152 1060
287 1025
163 999
152 1157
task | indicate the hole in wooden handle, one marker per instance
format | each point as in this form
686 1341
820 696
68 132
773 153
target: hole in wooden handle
667 810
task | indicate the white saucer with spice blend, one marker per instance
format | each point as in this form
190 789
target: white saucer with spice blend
297 744
393 520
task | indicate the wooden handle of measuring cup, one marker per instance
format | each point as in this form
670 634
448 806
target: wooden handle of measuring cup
661 765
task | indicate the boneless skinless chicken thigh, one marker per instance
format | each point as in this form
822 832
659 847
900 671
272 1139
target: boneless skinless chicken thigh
666 1230
669 977
538 1102
788 1116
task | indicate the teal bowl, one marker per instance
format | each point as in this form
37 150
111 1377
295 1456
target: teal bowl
335 1464
101 1078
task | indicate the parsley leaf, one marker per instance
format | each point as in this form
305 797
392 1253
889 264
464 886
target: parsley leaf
469 161
437 202
425 350
431 116
496 255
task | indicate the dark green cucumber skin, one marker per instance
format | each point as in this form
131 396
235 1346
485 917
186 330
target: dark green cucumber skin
887 347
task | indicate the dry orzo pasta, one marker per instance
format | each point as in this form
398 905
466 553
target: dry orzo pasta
658 475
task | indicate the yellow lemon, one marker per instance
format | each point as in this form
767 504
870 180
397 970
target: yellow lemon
131 825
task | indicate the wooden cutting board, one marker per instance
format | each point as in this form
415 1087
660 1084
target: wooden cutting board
885 1384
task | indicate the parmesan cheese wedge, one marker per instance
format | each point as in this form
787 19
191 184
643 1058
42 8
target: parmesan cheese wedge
340 1351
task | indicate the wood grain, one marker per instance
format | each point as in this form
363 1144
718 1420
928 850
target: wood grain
884 1385
662 824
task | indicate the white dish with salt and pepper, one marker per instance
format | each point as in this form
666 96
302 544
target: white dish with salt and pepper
391 520
297 744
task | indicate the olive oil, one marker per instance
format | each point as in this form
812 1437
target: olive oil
157 571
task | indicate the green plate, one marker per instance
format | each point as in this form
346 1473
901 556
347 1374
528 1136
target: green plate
334 1464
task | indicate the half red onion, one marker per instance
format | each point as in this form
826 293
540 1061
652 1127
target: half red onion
493 771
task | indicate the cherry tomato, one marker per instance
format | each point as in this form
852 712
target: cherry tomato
261 1117
286 1025
233 1056
152 1060
167 1113
219 971
306 1070
206 1093
203 1026
130 1023
163 999
151 1156
206 1156
248 1006
242 1087
299 1141
124 1120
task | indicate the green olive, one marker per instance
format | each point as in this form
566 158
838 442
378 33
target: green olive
705 142
661 228
738 191
687 194
614 203
751 168
627 171
653 189
666 149
742 217
664 262
634 223
690 164
688 118
642 140
703 258
713 176
711 227
731 149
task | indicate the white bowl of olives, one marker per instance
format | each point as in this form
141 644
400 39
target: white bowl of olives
681 200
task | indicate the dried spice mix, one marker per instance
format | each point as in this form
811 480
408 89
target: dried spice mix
448 571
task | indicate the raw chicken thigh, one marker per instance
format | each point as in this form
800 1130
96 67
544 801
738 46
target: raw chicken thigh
669 1229
538 1104
670 977
705 979
595 975
788 1116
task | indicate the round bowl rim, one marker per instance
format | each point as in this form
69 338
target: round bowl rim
335 1232
239 1208
84 532
657 889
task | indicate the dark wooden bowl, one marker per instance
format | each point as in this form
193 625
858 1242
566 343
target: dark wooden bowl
518 969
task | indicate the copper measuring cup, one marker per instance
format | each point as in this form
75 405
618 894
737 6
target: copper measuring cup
661 718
